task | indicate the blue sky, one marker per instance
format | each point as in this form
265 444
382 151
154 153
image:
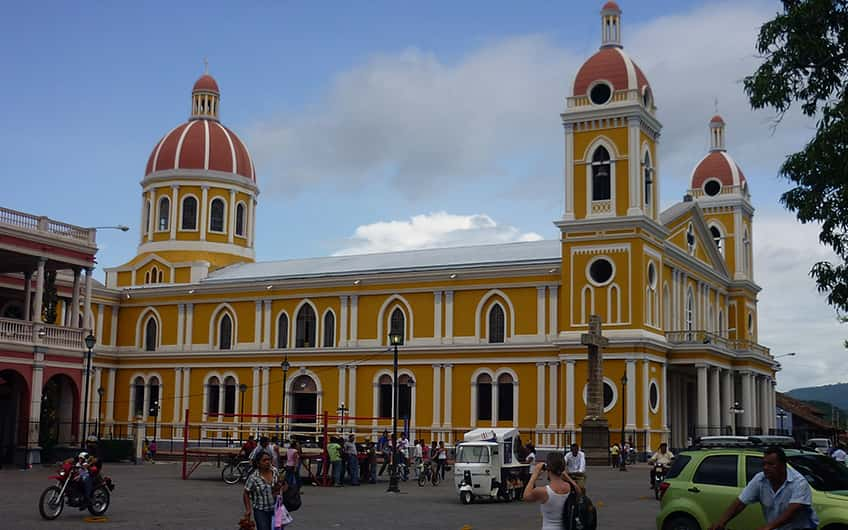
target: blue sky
464 97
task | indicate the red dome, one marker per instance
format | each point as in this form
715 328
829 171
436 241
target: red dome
717 165
206 83
717 119
611 64
609 6
201 144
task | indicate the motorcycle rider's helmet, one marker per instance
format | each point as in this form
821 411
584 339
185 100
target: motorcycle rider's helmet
82 456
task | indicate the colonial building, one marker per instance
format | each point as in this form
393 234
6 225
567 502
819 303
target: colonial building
492 333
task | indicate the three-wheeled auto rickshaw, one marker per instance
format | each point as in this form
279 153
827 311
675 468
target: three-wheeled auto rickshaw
487 466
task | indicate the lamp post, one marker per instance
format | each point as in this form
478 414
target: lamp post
623 461
781 414
395 339
736 409
285 366
89 344
242 389
100 392
154 411
342 410
790 354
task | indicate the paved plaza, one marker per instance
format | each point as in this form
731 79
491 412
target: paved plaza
153 496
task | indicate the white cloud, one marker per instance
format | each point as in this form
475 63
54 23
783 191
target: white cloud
439 229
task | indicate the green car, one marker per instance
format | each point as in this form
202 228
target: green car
701 484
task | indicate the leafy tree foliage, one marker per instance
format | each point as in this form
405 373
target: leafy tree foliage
805 52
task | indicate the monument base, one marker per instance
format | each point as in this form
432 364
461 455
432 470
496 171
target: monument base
596 441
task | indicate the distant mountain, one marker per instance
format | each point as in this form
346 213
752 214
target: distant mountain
836 394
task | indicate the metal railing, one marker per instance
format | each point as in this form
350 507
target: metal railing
37 223
703 337
17 331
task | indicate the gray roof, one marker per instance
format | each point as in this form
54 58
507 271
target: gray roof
523 253
674 211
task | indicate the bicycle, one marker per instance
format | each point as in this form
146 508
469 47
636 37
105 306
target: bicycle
236 471
427 473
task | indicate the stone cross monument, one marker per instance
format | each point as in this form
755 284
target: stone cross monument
595 427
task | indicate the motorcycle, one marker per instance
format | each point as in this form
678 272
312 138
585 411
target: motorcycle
659 476
69 489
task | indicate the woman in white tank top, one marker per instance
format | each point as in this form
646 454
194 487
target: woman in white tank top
552 497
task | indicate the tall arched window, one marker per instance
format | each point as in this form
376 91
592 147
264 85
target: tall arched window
648 179
213 396
385 397
150 334
397 323
484 397
189 220
283 331
164 214
690 312
305 333
138 396
601 175
153 402
497 324
240 219
230 395
216 216
505 397
329 329
717 238
225 332
154 274
405 396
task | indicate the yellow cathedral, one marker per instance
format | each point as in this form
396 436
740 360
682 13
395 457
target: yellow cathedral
491 333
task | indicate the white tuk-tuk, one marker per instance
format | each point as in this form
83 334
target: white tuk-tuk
487 466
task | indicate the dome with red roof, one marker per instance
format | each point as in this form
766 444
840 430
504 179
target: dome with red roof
613 65
611 6
717 166
202 143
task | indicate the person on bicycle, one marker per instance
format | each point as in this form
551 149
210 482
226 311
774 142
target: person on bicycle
247 448
662 457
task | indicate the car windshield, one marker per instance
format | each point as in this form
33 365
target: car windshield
823 473
473 454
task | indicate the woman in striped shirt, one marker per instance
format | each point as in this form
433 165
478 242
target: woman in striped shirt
260 490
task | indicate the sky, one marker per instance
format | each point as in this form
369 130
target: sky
388 125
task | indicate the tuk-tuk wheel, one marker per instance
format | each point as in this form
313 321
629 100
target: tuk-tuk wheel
465 497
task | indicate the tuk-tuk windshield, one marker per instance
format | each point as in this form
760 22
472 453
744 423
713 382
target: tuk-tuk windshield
473 454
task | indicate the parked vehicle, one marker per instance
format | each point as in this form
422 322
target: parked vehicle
702 483
236 471
487 466
69 489
822 445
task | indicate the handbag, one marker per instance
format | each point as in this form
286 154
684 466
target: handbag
282 517
291 498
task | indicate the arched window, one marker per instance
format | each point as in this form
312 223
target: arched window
405 384
329 329
154 274
150 334
189 220
230 395
153 403
283 331
648 178
397 323
138 396
146 226
746 249
164 213
505 397
484 397
305 333
213 396
497 324
690 239
216 216
385 389
690 312
147 277
240 219
161 276
225 333
717 238
601 175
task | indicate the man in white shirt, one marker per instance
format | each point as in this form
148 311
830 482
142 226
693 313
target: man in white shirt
662 457
575 464
417 457
839 454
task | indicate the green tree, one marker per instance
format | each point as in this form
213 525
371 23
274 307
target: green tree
805 52
50 298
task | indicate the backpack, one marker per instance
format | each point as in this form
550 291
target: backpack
578 513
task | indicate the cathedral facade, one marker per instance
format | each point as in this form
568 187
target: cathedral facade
492 334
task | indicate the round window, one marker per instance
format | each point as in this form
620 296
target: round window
609 395
712 188
600 93
600 271
654 396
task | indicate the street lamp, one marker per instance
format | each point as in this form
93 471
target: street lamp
736 409
623 461
341 410
242 389
395 339
100 392
122 228
154 411
790 354
90 340
285 366
781 414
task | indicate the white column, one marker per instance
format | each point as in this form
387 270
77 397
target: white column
437 316
110 395
342 377
266 387
351 400
75 303
745 402
231 217
256 390
715 401
204 198
354 322
266 332
448 396
251 212
702 420
738 247
88 317
180 325
343 324
631 395
540 312
755 400
257 324
540 398
764 403
665 396
494 402
175 197
515 395
94 400
178 382
633 166
448 317
473 402
99 327
552 312
39 293
569 172
188 325
646 394
151 222
35 401
553 395
726 399
570 391
437 395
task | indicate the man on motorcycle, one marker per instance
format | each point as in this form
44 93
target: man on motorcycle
89 467
662 457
